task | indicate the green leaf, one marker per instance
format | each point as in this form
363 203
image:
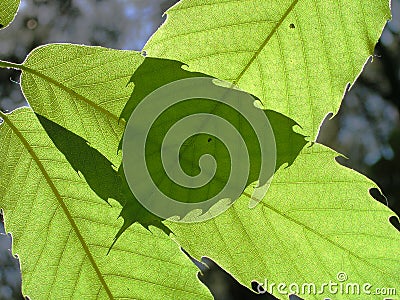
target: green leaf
317 218
8 11
295 55
62 229
316 221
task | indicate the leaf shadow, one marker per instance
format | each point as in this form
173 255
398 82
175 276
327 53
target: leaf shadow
155 73
100 175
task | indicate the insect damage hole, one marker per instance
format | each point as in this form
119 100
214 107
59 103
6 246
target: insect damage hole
292 26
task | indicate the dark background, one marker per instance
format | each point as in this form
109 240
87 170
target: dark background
366 129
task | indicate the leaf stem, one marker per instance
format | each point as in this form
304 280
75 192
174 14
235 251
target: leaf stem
10 65
2 115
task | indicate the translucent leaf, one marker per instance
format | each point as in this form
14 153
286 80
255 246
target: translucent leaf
297 56
62 229
316 224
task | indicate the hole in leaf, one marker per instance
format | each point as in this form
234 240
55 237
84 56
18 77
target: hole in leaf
1 25
209 140
292 26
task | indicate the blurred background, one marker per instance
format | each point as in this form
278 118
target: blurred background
366 129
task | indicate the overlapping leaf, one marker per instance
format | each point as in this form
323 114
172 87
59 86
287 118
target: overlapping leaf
318 213
297 56
8 11
317 220
62 229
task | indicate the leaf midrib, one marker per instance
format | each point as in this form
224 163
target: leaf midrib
262 46
68 90
310 229
60 201
267 39
24 68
